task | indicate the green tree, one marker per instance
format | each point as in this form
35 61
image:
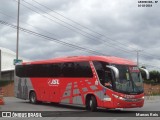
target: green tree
155 76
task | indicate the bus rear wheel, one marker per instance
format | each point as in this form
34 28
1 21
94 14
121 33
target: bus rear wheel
33 97
91 104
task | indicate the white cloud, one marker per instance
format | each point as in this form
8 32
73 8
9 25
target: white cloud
122 20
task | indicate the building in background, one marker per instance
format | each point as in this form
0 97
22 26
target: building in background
7 65
7 68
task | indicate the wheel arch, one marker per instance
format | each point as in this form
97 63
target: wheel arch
88 96
96 97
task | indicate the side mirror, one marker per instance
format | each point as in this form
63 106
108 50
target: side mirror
146 71
116 71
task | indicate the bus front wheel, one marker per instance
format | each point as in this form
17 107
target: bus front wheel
91 104
33 97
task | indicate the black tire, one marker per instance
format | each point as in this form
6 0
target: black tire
87 105
33 98
91 104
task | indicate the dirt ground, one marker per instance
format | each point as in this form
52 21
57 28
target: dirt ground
151 89
8 90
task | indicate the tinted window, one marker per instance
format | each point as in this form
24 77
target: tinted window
83 69
104 73
20 71
57 70
36 70
68 69
76 69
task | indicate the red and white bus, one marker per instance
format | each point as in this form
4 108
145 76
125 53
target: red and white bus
93 81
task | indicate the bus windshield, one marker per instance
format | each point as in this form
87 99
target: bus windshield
130 80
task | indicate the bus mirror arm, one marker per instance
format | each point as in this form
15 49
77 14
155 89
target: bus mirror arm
116 71
146 71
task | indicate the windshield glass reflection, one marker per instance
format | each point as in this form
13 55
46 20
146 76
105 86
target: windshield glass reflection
130 79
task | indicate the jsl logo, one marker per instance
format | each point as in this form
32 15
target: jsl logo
53 82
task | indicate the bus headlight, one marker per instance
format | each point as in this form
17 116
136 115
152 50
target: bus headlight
116 96
121 98
128 100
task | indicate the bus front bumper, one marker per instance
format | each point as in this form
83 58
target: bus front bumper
120 102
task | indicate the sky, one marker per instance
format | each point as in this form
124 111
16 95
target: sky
105 27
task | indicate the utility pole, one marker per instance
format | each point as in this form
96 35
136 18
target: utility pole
17 47
138 56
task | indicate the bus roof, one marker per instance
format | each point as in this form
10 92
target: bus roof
109 59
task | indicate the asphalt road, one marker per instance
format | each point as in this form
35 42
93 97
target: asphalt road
14 104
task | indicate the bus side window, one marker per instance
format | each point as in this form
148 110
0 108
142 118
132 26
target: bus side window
100 71
104 73
20 71
108 78
68 69
57 70
83 69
